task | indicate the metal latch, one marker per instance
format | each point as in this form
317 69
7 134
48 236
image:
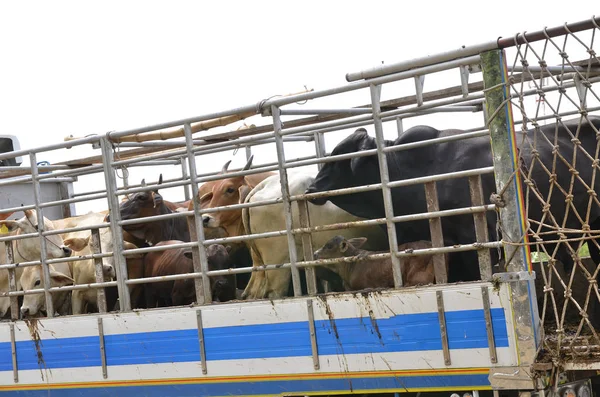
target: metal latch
508 277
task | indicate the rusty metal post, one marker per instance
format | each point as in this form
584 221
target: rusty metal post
512 216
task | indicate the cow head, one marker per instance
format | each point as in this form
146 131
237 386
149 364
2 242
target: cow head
220 193
140 205
338 247
223 288
347 173
32 278
82 246
29 249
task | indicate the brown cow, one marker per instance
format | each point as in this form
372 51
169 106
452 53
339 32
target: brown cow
224 192
376 273
174 261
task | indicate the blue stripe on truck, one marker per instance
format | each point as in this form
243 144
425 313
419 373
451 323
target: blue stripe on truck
399 333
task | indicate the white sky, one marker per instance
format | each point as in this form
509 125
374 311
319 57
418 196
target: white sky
72 67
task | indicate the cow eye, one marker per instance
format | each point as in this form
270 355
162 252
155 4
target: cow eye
230 190
37 283
142 197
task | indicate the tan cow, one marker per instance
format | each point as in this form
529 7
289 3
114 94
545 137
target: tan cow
29 250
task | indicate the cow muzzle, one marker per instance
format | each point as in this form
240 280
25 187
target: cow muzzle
316 200
209 221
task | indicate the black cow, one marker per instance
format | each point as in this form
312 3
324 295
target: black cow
458 156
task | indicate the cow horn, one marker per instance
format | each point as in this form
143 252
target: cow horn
248 164
144 182
160 180
225 167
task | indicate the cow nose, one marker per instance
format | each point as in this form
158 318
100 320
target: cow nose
24 311
221 283
67 250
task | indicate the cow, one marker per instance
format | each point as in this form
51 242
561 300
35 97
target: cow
274 250
84 272
224 192
151 203
27 250
175 261
376 273
456 156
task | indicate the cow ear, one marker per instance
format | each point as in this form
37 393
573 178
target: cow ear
12 226
357 242
129 246
77 243
244 190
343 246
61 278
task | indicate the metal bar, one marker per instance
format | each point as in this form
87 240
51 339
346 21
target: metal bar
443 330
63 189
13 350
102 348
530 37
419 81
71 172
76 229
12 281
61 289
464 81
65 202
47 148
320 149
313 334
201 341
555 69
399 126
463 53
385 188
481 231
512 216
437 236
96 249
489 326
307 247
116 231
185 176
324 111
285 195
40 229
199 257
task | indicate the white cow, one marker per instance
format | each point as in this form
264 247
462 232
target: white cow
274 283
28 250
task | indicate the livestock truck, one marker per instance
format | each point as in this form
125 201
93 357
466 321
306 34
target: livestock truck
526 322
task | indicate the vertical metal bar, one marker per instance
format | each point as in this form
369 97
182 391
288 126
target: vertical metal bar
419 81
320 147
285 195
512 216
13 350
185 176
102 348
400 125
481 231
201 341
99 273
489 326
40 229
307 247
63 189
248 150
313 334
385 179
12 281
115 216
464 81
443 330
125 173
437 237
199 258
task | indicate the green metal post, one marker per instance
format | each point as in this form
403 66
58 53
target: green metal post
512 214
